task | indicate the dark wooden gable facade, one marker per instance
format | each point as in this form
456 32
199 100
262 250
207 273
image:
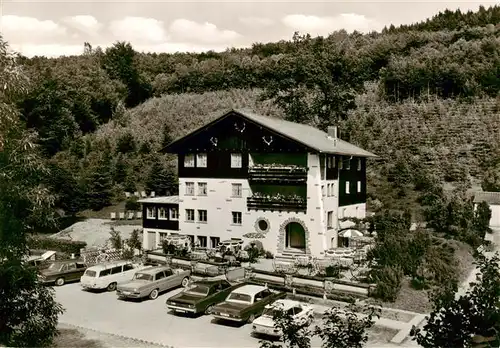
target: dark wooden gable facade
231 134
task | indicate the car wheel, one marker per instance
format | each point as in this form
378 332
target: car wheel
60 281
251 318
185 281
111 287
208 310
154 294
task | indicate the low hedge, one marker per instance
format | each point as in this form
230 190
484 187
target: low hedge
61 245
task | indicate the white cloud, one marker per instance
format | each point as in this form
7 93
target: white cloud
29 29
184 29
315 25
85 23
256 21
138 29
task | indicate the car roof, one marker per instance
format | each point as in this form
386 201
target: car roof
154 270
110 264
286 304
208 281
250 289
60 262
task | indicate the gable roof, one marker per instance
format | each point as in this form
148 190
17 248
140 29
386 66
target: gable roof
488 197
308 136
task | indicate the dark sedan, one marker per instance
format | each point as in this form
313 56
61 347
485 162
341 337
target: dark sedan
201 296
246 303
60 272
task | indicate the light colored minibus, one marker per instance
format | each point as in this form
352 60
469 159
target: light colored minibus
108 275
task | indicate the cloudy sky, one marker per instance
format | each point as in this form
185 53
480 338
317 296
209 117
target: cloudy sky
60 27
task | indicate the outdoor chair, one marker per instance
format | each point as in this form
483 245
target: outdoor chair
122 216
138 215
152 194
143 194
130 215
113 216
127 194
136 193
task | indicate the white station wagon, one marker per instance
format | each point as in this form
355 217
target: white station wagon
109 275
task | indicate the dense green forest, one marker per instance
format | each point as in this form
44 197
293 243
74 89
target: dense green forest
423 97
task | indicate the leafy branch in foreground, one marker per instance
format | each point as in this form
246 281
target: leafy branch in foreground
468 319
29 313
339 328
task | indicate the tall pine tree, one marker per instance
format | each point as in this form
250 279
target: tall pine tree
163 181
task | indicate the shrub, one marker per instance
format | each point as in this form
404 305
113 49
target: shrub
333 271
168 248
268 255
388 281
115 239
61 245
132 204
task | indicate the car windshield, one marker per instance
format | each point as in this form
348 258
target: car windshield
198 290
55 267
143 276
270 312
237 297
90 273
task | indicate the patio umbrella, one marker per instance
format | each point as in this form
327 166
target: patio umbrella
350 233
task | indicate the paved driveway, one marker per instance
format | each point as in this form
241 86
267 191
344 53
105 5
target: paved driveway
150 320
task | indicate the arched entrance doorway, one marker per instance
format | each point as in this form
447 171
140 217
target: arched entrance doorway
295 237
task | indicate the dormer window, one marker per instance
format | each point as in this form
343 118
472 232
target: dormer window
236 160
201 160
189 161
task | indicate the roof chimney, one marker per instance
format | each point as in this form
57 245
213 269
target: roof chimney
332 132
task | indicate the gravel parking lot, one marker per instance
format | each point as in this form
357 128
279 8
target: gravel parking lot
151 321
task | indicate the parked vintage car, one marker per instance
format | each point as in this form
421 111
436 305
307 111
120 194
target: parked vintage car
201 296
151 281
108 275
246 303
60 272
301 312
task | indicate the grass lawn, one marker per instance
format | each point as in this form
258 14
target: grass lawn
73 338
69 336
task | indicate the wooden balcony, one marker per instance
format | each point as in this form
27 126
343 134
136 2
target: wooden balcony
264 203
271 174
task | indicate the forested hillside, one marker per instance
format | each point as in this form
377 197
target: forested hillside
424 97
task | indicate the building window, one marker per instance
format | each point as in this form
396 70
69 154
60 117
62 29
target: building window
202 241
174 214
201 160
341 163
329 220
359 164
347 188
263 225
236 160
330 162
189 188
163 236
359 186
323 190
236 190
348 164
162 214
236 217
189 161
214 242
202 189
189 214
202 215
151 212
